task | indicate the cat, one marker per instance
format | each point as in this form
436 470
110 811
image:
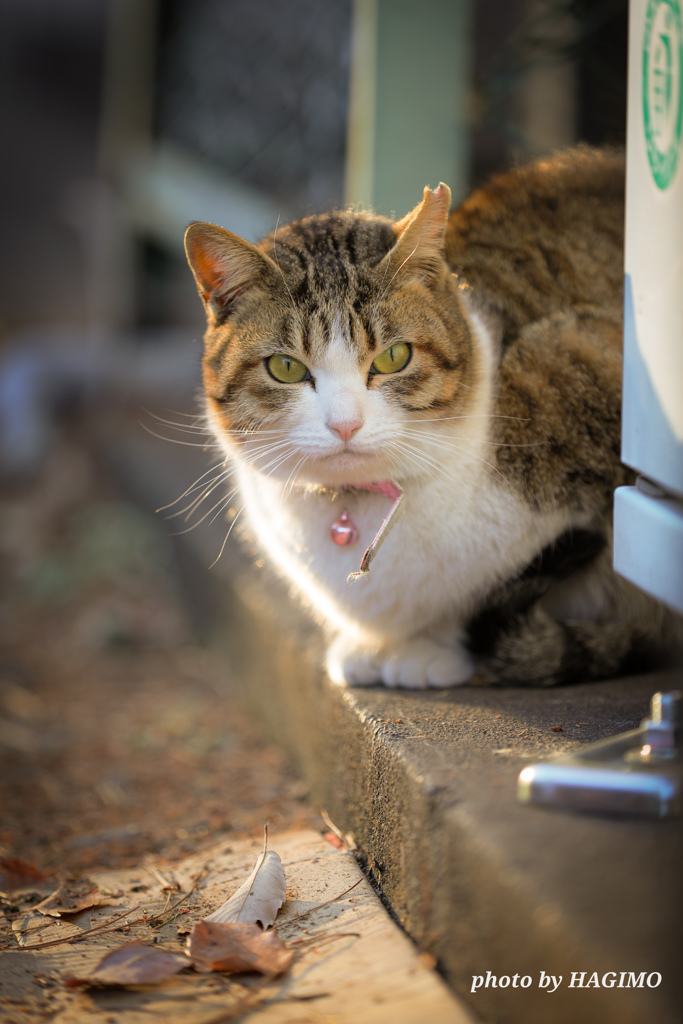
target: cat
447 387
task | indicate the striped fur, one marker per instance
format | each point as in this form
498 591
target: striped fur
502 429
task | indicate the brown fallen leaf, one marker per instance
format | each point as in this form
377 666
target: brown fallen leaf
73 898
16 873
236 947
556 728
134 963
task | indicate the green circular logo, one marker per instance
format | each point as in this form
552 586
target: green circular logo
663 88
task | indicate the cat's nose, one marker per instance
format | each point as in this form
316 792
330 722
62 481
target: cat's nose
345 429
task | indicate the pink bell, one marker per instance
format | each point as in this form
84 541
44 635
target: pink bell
343 530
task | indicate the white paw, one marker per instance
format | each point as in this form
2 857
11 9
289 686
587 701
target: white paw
422 663
416 664
351 665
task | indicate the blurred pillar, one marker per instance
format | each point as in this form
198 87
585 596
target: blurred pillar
547 100
128 86
409 97
97 208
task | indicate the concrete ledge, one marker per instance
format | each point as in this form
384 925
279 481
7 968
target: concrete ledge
425 782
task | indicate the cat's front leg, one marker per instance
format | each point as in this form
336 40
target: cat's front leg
414 664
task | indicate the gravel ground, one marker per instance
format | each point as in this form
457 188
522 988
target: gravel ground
119 738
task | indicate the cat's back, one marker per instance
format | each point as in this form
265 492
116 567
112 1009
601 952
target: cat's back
545 238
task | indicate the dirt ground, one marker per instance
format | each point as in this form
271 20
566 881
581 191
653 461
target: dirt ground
119 738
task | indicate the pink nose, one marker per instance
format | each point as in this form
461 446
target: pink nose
345 429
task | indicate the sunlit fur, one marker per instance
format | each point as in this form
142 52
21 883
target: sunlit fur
502 429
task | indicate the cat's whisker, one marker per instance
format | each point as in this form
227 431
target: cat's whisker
226 501
253 428
215 481
183 428
209 488
495 444
416 459
253 449
202 497
232 526
253 455
443 470
179 412
213 508
186 428
393 456
222 503
473 455
193 486
264 438
194 417
246 436
291 480
449 447
421 459
277 462
470 416
175 440
289 449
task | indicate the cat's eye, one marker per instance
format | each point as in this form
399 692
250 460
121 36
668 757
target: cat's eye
286 369
392 359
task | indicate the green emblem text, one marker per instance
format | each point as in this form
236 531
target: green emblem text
663 88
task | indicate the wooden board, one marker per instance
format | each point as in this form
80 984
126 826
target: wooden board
354 964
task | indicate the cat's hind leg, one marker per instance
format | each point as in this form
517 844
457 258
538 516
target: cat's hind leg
536 650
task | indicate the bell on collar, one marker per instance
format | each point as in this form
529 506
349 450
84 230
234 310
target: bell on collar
344 531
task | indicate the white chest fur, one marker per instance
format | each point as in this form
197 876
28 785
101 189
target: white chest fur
453 543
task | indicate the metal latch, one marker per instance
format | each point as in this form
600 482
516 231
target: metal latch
636 772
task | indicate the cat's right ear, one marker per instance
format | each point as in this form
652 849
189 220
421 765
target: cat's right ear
224 266
419 249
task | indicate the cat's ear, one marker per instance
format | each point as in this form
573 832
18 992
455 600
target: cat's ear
419 249
224 266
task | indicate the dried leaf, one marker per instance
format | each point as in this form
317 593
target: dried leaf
258 900
72 899
25 927
134 963
237 947
16 874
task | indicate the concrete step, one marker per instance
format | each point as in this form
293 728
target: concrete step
425 783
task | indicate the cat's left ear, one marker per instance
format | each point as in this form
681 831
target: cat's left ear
419 249
224 266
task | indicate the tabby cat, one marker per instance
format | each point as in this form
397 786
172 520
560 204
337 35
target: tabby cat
448 387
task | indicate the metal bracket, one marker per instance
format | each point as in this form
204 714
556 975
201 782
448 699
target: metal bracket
636 772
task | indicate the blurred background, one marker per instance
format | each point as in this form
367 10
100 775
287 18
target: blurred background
122 121
125 119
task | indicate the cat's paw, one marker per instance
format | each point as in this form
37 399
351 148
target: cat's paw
422 663
414 665
352 665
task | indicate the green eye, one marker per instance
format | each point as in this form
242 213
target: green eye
392 359
286 369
